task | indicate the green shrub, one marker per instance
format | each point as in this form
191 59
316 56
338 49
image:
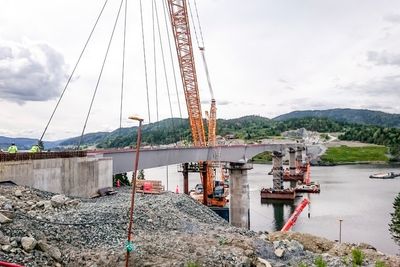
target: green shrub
192 264
319 262
358 257
302 264
123 178
380 264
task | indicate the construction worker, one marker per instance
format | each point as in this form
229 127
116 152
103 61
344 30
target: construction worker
34 149
12 149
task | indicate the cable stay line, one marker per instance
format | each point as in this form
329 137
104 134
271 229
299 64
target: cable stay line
123 65
145 61
100 74
172 58
74 69
155 57
164 65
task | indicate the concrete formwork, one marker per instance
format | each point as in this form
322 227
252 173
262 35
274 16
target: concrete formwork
277 170
80 177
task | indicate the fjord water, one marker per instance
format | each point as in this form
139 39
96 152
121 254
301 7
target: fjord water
347 193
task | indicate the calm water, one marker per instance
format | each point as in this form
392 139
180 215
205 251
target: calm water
346 193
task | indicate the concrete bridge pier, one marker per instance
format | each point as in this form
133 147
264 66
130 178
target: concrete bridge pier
277 170
299 156
292 165
239 205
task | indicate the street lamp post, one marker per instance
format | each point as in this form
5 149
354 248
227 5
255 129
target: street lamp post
129 246
340 230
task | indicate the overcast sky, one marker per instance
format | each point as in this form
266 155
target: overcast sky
265 58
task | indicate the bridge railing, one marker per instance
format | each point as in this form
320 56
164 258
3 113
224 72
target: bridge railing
40 155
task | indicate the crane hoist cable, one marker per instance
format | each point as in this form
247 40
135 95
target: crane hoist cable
212 115
123 65
73 70
155 57
100 75
145 60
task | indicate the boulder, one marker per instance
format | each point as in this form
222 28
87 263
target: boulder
263 263
52 251
58 201
28 243
279 252
6 248
4 240
4 219
72 202
18 193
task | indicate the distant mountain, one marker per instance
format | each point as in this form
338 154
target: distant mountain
89 139
25 143
359 116
248 127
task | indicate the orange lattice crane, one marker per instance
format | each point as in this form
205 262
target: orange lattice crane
178 12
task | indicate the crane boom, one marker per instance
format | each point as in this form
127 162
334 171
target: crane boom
181 29
183 42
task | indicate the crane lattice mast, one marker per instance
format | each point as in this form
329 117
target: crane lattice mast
183 42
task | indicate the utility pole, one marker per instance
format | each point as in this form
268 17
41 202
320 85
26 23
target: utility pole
340 231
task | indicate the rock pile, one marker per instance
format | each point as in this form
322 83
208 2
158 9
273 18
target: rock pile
43 229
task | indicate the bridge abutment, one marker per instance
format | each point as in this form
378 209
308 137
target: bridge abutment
77 176
239 203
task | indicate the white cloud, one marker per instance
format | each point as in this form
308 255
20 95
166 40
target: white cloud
30 72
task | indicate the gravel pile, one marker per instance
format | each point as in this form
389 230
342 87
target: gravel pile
43 229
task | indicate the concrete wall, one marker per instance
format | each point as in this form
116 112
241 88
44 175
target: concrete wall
80 177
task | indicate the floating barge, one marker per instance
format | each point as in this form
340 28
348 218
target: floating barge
285 194
389 175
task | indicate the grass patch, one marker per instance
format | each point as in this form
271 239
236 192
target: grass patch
319 262
358 257
380 264
345 154
263 157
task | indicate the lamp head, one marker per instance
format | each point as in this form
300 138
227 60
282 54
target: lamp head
135 118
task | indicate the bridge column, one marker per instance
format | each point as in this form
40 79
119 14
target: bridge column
239 205
299 156
185 172
292 165
277 170
203 172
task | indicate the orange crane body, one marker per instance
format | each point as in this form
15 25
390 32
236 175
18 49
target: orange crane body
183 42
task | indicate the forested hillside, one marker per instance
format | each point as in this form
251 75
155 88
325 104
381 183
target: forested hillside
360 116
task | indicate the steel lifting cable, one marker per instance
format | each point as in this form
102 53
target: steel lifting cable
100 74
163 61
194 26
198 20
123 66
155 57
145 61
73 71
172 59
202 47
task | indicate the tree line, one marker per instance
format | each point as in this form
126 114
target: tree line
253 128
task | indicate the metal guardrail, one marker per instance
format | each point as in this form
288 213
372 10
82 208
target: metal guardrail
40 155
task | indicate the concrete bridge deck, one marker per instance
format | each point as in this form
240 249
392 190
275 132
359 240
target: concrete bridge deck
155 157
